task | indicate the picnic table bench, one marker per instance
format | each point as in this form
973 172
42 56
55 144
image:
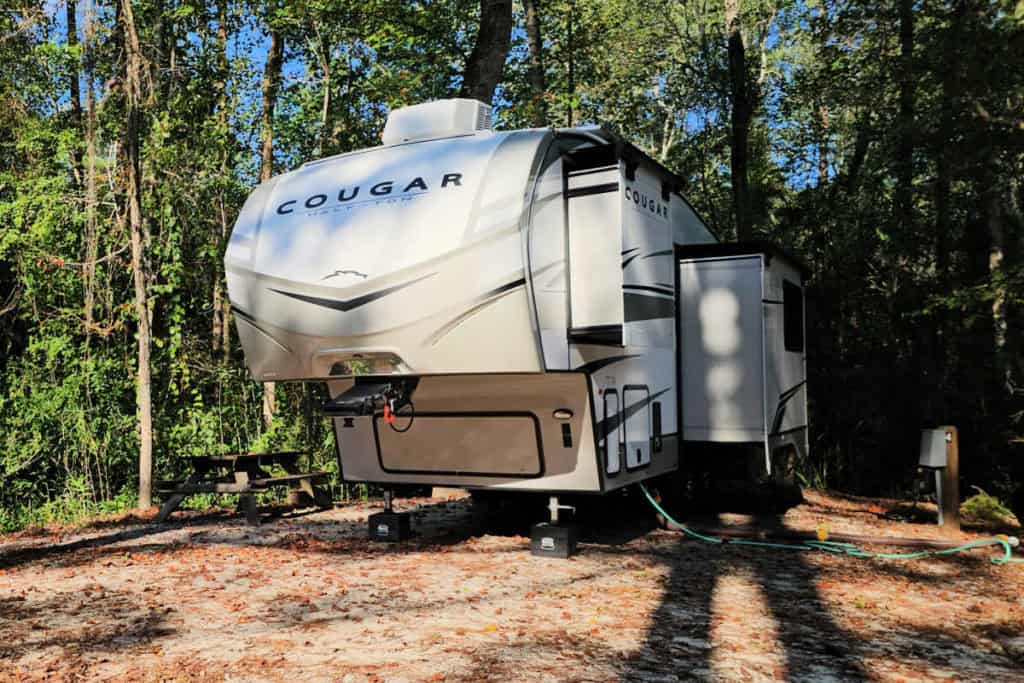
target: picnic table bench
245 474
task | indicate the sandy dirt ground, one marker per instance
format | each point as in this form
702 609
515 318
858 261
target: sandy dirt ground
308 597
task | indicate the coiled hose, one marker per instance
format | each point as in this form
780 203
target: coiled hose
851 549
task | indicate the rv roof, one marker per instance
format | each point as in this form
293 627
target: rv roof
743 249
598 133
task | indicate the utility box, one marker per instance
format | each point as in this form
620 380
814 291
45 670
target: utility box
933 448
940 454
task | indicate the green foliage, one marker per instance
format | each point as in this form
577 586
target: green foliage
987 508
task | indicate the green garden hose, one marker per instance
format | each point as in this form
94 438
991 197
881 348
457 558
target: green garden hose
1006 542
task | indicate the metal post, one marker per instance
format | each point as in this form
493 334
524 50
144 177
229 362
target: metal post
553 507
387 500
949 495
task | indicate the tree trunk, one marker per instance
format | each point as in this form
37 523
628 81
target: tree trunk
487 61
994 196
91 237
325 108
220 319
74 88
851 172
905 128
742 110
144 406
271 83
948 105
323 56
538 88
823 126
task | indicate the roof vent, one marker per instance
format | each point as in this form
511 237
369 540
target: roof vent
439 119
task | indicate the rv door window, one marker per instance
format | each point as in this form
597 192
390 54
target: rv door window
610 439
793 316
636 413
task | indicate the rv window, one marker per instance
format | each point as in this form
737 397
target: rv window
793 316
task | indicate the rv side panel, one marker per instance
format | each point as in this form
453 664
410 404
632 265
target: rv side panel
516 432
785 357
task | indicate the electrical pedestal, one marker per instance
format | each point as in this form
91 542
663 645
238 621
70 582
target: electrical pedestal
554 538
389 526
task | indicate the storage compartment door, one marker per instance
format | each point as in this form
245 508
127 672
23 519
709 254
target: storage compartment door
483 444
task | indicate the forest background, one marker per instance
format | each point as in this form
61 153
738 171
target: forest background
881 141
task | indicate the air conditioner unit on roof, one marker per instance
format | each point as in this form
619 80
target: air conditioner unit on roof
440 119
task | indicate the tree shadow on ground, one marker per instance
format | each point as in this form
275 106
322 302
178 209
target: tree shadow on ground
37 547
434 523
814 646
117 621
680 643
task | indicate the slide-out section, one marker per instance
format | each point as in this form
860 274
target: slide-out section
741 336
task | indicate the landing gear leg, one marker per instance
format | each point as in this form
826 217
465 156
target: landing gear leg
554 538
389 526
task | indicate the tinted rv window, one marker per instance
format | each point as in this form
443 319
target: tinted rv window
793 316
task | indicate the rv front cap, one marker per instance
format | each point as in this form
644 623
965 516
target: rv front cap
378 190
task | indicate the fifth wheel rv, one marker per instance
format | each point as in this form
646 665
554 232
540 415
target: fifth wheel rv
531 310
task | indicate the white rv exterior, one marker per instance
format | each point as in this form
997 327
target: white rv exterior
522 284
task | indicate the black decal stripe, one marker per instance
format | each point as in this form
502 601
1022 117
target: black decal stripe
342 305
647 256
788 393
238 311
612 422
595 365
629 260
504 288
649 288
474 307
596 335
627 251
647 307
251 321
780 414
780 411
604 188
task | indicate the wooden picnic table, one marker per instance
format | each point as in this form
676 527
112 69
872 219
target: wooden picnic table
245 474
